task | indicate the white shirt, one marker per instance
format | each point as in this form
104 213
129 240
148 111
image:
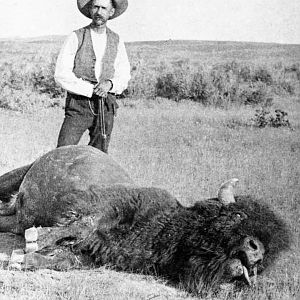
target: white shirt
65 77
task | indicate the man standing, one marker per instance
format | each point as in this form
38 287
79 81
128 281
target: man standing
92 66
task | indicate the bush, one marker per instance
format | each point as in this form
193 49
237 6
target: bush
264 118
294 68
226 85
263 75
143 80
14 77
255 94
25 76
285 87
25 100
201 89
245 74
219 86
43 80
174 85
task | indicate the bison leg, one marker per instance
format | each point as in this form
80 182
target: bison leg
11 181
55 247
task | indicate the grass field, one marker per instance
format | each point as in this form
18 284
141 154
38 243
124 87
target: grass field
186 148
211 73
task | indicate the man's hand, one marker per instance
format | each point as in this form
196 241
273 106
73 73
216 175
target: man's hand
102 88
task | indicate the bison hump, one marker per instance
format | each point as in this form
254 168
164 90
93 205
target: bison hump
75 167
64 173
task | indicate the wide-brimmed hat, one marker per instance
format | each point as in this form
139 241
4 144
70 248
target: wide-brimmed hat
120 7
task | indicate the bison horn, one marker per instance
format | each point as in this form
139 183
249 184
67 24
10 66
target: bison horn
246 275
225 193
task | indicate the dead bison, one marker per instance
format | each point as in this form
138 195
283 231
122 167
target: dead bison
95 214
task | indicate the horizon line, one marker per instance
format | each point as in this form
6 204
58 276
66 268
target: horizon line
41 37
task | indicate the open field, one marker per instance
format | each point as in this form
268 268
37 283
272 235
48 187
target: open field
183 146
212 73
189 150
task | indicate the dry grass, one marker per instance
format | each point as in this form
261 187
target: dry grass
187 149
99 284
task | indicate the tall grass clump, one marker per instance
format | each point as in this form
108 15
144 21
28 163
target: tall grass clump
174 82
28 84
42 79
142 83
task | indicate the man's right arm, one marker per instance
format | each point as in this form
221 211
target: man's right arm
64 75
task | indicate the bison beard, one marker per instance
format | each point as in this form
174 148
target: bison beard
98 215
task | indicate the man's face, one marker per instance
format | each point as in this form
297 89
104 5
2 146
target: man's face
101 11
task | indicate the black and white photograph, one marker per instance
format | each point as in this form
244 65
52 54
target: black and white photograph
150 149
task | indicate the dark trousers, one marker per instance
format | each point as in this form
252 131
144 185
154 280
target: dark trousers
81 114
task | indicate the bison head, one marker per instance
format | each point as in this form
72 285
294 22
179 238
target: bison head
198 247
230 243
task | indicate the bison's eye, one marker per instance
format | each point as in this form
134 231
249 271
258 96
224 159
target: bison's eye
241 216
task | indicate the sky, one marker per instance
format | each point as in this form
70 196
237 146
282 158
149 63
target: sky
222 20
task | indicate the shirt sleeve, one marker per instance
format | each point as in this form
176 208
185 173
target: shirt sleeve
64 75
122 70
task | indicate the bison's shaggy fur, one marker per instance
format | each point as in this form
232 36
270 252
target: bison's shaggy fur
98 213
188 245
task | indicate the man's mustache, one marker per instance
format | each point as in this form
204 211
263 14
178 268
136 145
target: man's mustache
99 17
